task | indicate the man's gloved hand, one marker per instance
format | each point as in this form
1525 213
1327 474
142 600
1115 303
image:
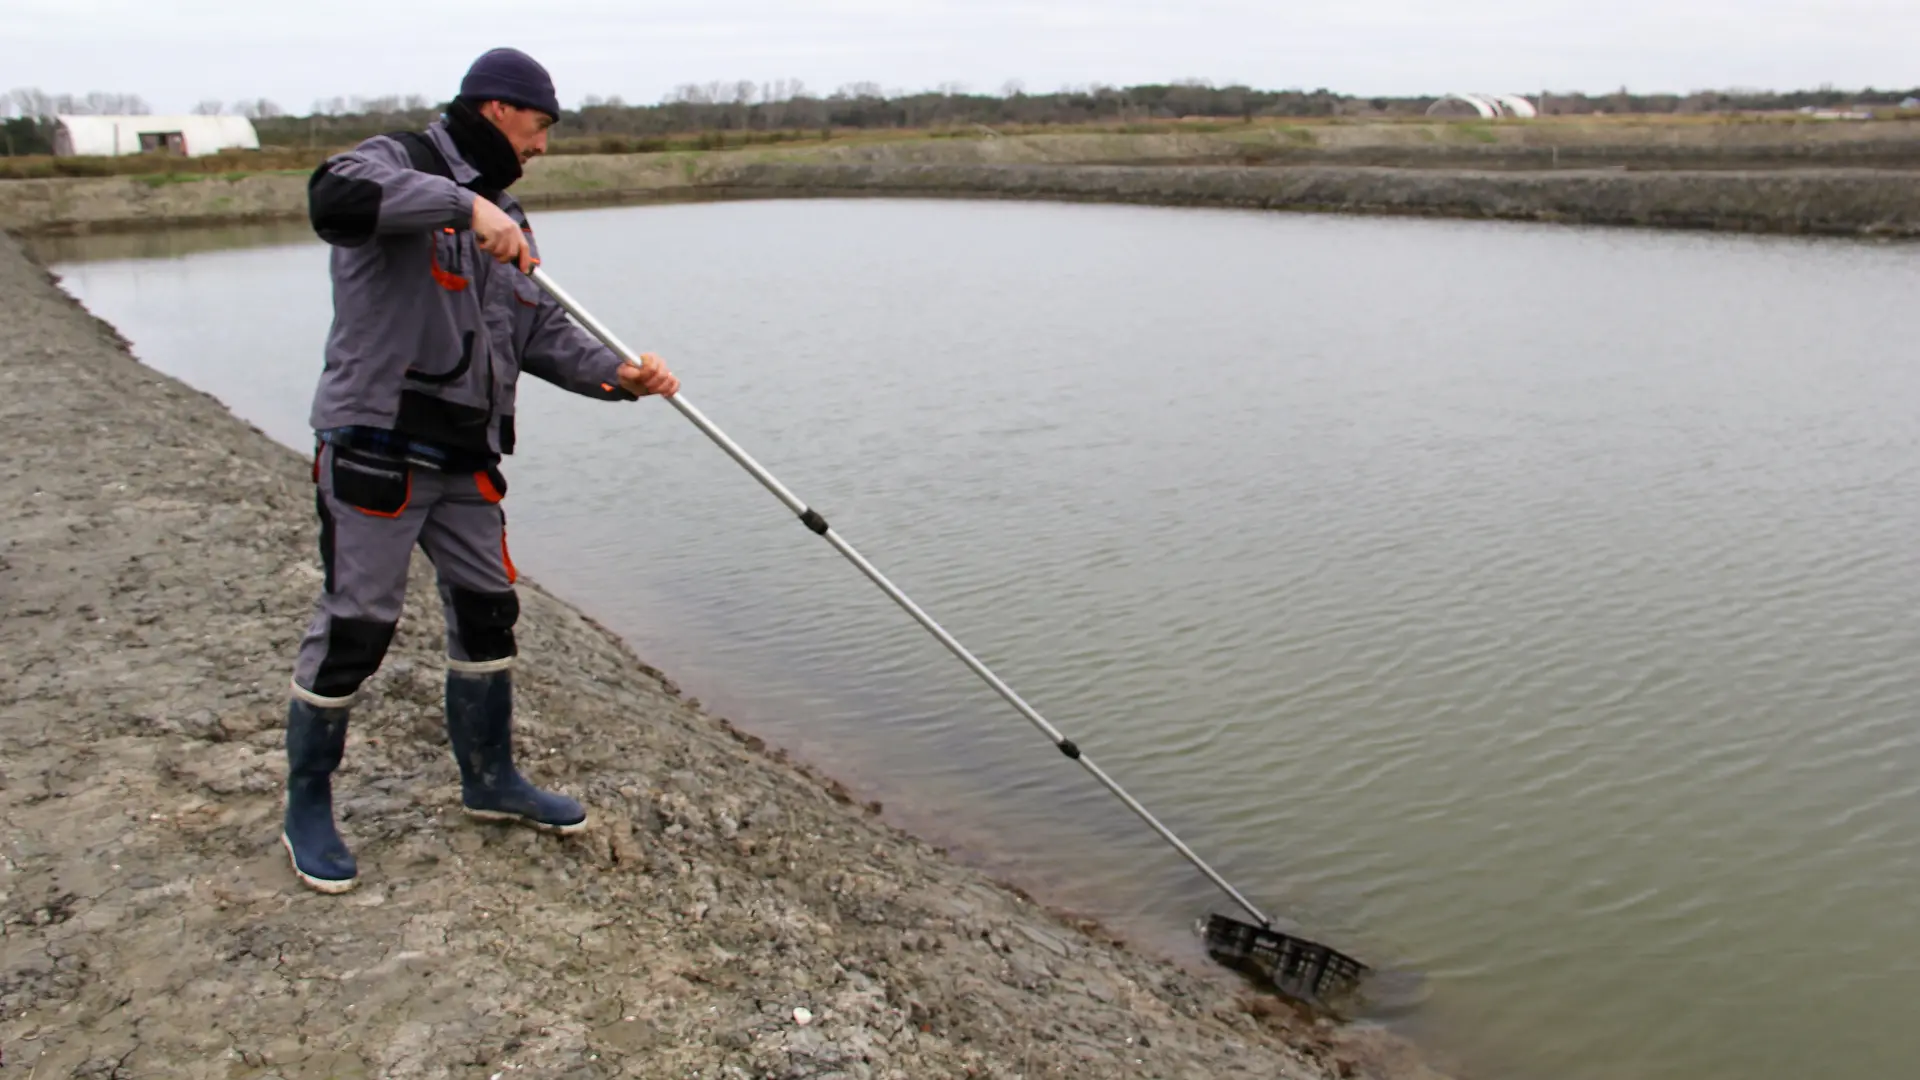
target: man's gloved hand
651 377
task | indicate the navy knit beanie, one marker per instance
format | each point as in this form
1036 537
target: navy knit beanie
511 76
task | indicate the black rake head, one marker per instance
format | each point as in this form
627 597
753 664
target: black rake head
1295 966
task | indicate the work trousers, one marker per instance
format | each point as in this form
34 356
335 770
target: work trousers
373 511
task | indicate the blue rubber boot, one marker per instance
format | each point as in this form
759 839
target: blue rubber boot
316 738
480 728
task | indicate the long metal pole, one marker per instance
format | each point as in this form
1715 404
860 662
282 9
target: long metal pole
819 525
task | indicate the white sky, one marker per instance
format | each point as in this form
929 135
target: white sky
177 53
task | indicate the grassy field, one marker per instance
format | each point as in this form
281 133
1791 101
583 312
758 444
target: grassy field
1689 141
303 159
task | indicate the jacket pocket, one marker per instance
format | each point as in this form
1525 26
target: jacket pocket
448 266
372 485
459 369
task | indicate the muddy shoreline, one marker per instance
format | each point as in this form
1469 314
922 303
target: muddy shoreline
157 564
1758 182
1860 203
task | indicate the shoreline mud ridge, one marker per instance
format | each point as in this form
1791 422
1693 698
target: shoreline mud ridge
1858 203
1804 185
157 565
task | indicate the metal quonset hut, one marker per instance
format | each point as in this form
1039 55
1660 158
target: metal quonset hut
1487 106
189 136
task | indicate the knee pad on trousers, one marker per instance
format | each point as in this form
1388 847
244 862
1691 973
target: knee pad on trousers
484 623
355 648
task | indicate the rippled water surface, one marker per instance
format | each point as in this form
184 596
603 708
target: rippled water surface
1535 609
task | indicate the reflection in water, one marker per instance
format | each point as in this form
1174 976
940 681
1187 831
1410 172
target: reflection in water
166 243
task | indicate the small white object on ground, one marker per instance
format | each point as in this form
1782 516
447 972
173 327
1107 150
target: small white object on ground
802 1016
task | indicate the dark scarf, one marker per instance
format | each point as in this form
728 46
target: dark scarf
484 147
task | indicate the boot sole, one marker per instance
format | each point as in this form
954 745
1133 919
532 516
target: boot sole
520 819
319 884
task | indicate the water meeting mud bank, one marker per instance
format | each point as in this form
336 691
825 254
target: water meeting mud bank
1830 202
1763 179
158 563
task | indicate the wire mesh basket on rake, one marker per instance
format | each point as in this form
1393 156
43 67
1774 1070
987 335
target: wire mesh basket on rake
1304 969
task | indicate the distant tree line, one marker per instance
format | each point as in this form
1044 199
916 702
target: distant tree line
748 110
26 116
744 107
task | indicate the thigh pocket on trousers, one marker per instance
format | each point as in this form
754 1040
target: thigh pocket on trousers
492 483
371 485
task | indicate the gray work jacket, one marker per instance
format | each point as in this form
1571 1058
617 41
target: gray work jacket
429 333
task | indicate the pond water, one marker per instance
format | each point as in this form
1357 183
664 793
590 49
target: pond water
1530 608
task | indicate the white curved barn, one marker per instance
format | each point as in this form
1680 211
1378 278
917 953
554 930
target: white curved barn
1487 106
1517 105
190 136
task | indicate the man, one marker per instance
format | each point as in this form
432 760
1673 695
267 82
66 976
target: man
434 320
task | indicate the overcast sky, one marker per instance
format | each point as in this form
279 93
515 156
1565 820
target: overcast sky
177 53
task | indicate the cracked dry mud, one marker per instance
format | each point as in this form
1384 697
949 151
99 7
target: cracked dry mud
156 565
